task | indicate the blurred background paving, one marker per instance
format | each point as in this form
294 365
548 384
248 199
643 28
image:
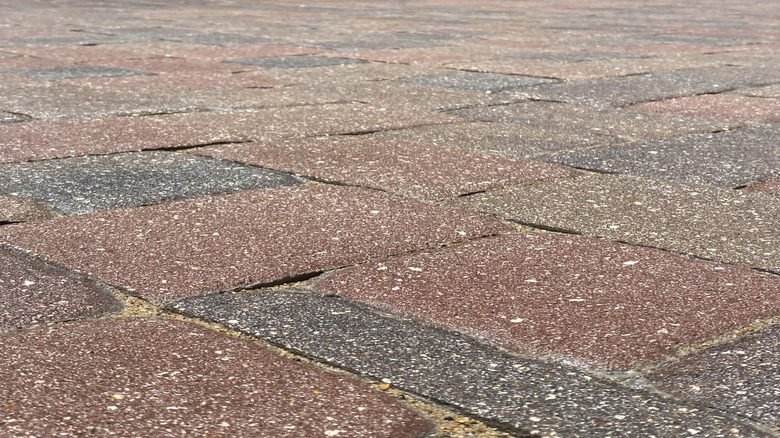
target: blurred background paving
439 218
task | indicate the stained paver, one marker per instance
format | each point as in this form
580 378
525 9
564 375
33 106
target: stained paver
740 376
141 376
295 61
168 251
89 184
16 209
743 109
727 160
571 298
522 395
423 172
483 82
33 293
724 225
70 72
38 140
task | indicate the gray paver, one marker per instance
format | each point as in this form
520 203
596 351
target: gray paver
71 72
715 224
522 395
141 376
33 293
295 61
168 251
484 82
741 376
727 160
89 184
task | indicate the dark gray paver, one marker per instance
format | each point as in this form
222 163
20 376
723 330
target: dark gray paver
295 61
88 184
577 299
522 395
141 376
723 225
742 376
727 160
70 72
34 293
423 172
484 82
168 251
16 209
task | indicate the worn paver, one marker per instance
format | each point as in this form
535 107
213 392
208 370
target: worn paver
740 376
17 209
168 251
572 298
723 225
88 184
745 110
151 377
33 293
423 172
727 159
521 394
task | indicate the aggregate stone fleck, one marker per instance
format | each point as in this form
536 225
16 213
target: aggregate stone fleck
34 293
70 72
577 299
151 377
89 184
521 394
423 172
168 251
16 209
484 82
742 376
295 61
715 224
727 159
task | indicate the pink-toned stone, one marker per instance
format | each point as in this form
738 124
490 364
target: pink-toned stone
735 107
17 209
182 248
152 377
576 299
771 187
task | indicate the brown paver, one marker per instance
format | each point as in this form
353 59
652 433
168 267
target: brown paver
740 376
183 248
38 140
715 224
734 107
423 172
34 293
16 209
572 298
147 377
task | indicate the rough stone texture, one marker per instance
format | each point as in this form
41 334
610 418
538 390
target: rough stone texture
745 110
727 160
522 395
59 73
16 209
483 82
576 299
722 225
423 172
39 140
89 184
295 61
769 91
181 248
34 293
771 187
741 376
141 376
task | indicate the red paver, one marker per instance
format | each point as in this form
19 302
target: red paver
172 250
744 109
771 186
38 140
33 293
573 298
16 209
147 377
424 172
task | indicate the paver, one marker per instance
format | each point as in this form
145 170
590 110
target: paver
70 72
771 187
741 376
483 82
141 376
743 109
520 394
89 184
723 225
16 209
727 160
168 251
295 61
576 299
423 172
32 293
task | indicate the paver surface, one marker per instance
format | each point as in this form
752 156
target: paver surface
580 200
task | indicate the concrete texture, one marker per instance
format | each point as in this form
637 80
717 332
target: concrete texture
295 61
483 82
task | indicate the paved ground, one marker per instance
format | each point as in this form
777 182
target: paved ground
404 219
